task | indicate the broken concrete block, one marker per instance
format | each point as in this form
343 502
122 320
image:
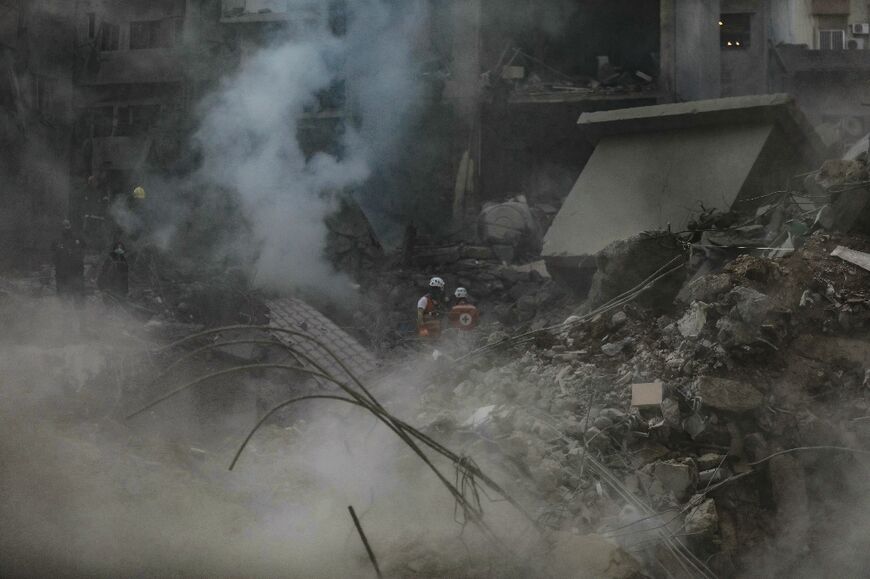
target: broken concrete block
752 306
479 417
618 320
709 460
671 413
703 520
694 425
858 258
735 332
612 348
728 395
646 395
692 323
678 476
590 557
709 287
713 476
624 264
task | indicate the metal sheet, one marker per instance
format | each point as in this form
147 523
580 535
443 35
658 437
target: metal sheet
635 183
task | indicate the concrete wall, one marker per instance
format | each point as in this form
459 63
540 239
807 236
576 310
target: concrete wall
690 55
34 169
793 21
744 70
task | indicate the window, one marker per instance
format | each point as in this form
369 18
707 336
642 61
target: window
92 25
735 32
832 39
109 35
154 33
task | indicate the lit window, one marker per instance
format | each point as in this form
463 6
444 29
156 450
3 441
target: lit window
735 30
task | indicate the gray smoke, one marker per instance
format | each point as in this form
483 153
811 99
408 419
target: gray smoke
253 159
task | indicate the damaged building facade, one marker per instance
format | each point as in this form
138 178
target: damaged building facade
814 50
656 363
36 117
142 68
501 89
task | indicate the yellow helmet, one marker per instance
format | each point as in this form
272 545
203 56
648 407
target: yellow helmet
139 193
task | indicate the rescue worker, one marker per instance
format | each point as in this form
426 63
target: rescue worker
464 316
429 310
69 262
114 277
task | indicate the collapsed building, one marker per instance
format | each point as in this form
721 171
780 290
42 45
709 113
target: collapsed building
657 168
670 376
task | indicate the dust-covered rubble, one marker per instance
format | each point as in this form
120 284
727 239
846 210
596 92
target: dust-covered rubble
738 369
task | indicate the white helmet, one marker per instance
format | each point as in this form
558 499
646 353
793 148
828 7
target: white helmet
436 282
460 293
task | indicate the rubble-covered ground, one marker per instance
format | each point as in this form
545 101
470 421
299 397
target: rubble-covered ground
733 420
702 413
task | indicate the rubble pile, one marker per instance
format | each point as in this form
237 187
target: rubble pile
512 296
632 423
528 77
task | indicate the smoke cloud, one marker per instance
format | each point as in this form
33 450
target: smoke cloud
254 159
84 492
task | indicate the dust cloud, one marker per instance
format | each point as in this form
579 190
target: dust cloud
255 169
86 492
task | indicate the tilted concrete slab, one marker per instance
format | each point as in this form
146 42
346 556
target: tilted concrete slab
635 183
655 167
778 109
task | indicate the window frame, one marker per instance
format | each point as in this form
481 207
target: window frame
831 31
734 36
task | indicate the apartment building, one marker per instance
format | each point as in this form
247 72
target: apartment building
36 90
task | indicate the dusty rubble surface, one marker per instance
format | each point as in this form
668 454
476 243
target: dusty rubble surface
643 441
761 357
89 491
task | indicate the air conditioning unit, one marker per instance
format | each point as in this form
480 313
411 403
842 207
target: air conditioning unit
860 29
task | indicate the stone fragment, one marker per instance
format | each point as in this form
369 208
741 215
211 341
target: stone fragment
678 476
479 417
671 413
752 306
728 395
709 460
713 476
612 348
692 323
708 287
703 520
618 319
694 425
